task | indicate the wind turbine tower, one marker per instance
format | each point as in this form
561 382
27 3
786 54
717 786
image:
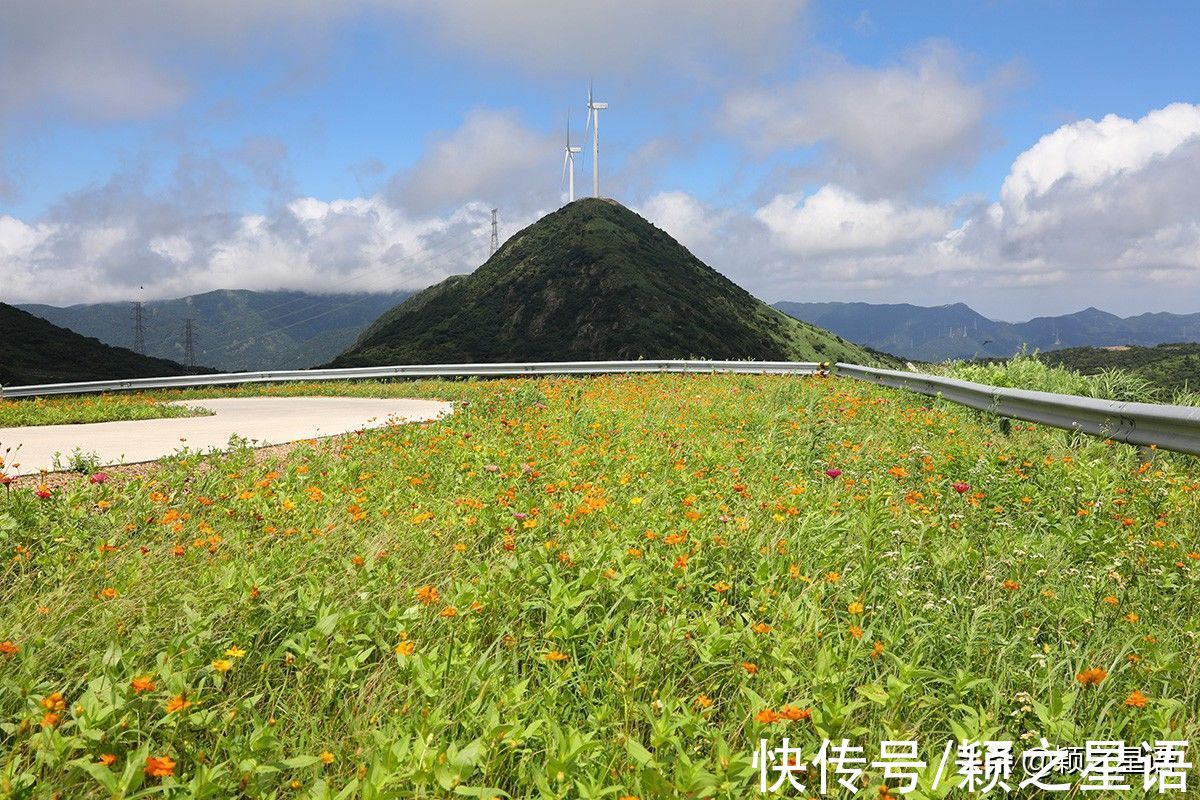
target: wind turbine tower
569 162
594 110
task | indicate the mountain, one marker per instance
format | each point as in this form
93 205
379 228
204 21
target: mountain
33 350
591 281
955 331
234 330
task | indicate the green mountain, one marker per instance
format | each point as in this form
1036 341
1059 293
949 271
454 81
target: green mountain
33 350
234 330
592 281
956 331
1170 367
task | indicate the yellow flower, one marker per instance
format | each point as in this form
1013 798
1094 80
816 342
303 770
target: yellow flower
235 652
855 607
555 655
222 665
406 648
327 757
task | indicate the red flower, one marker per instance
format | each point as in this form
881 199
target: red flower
960 487
833 473
43 493
99 477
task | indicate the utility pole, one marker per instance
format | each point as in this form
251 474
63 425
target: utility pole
139 329
189 348
495 233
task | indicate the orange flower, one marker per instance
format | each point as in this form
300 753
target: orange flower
877 650
1010 585
142 683
160 766
7 648
767 716
1091 677
832 577
703 701
428 595
108 593
1136 699
177 703
793 713
555 655
856 631
750 667
54 702
406 648
761 628
106 759
49 720
1131 617
721 587
449 611
327 757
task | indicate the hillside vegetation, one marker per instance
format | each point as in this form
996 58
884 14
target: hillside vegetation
234 330
601 587
33 350
591 281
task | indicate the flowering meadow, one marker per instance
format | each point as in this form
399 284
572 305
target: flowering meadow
600 587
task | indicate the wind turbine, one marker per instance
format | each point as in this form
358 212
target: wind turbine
569 161
594 110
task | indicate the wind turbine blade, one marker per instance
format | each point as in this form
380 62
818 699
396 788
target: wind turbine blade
566 160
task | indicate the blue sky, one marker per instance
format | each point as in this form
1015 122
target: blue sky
842 151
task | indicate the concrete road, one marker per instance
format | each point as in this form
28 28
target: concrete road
263 420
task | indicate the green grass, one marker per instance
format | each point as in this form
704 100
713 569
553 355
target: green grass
594 587
88 408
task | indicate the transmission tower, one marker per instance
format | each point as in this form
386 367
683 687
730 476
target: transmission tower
495 233
189 349
139 329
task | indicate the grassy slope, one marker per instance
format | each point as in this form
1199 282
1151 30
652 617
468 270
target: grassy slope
33 350
591 281
601 520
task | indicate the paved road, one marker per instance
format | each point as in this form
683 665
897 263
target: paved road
264 420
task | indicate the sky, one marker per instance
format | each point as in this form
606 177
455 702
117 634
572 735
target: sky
1024 158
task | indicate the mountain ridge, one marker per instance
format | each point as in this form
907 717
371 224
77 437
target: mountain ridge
956 331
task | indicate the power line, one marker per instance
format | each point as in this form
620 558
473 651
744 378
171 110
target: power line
139 329
189 349
495 233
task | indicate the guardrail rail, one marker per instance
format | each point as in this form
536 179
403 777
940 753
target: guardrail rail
1144 424
418 371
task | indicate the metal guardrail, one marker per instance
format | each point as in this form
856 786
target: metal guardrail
1147 424
418 371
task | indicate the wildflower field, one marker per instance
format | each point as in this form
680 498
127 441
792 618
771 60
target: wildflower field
603 587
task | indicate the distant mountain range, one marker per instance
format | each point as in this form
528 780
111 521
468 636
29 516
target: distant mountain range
957 331
233 330
33 351
590 282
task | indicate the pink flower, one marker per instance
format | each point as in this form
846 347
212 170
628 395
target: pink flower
99 477
960 487
519 515
491 468
833 473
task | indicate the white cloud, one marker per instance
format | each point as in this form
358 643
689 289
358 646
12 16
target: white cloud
834 220
492 157
617 37
882 130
